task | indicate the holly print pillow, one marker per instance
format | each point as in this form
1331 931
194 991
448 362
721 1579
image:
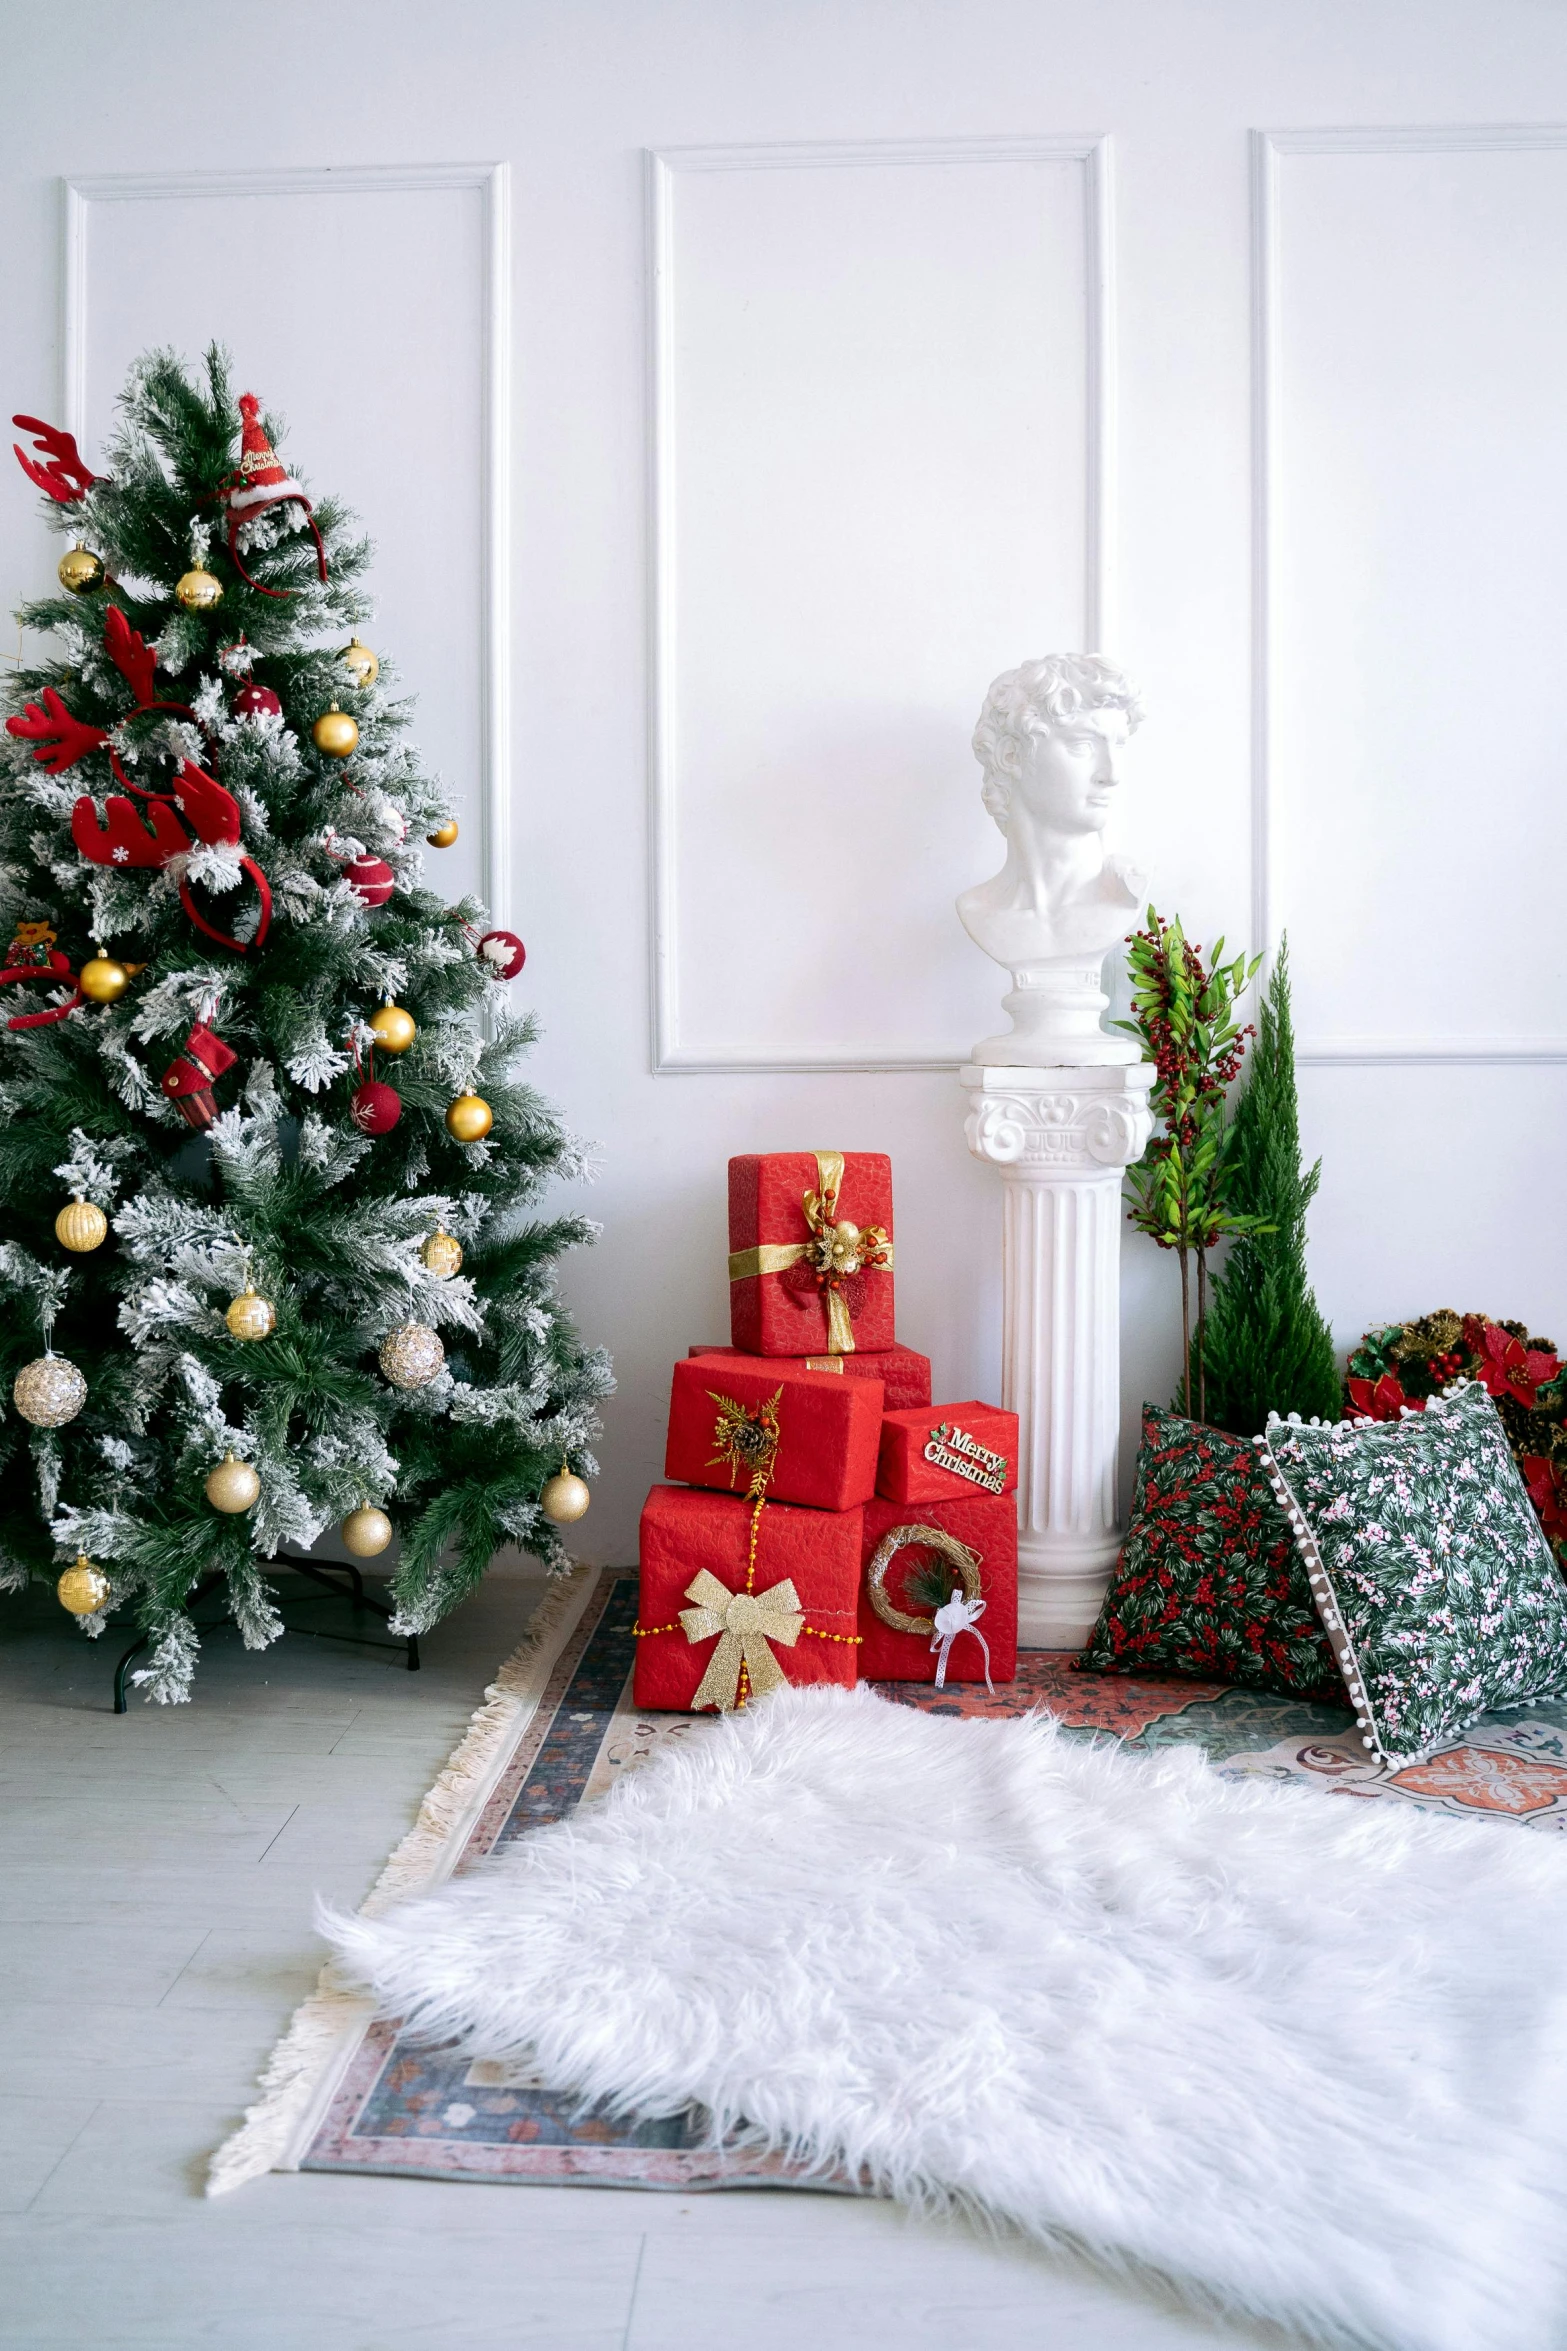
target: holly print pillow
1433 1580
1209 1581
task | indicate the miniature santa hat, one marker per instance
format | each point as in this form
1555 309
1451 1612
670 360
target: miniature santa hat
263 481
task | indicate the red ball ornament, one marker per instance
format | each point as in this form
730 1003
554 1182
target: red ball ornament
257 701
371 878
376 1109
502 954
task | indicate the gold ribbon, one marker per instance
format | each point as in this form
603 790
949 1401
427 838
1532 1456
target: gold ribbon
746 1623
834 1250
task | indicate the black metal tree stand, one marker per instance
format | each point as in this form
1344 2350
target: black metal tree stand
354 1592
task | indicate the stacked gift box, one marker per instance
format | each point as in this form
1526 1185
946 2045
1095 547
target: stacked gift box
826 1521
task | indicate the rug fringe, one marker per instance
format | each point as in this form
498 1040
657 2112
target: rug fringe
321 2025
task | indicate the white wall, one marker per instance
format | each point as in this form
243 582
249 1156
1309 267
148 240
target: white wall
1028 340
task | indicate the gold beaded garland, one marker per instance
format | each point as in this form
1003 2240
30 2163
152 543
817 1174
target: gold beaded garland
393 1028
469 1118
81 1226
442 1255
78 570
251 1316
198 591
412 1355
366 1532
335 733
444 834
49 1391
362 665
233 1486
565 1499
83 1589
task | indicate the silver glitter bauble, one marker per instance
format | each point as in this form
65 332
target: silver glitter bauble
411 1357
49 1391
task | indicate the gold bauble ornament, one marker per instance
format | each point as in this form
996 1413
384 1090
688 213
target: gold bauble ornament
393 1028
335 733
78 570
565 1499
251 1316
361 664
444 834
442 1255
49 1391
81 1226
103 979
233 1486
83 1589
470 1118
366 1532
198 591
412 1355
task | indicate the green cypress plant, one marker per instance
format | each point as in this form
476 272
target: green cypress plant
1268 1347
212 830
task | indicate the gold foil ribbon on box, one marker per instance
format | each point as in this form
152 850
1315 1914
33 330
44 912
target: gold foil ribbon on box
952 1448
747 1623
834 1251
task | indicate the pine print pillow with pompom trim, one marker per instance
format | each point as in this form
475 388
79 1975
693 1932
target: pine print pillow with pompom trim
1209 1581
1433 1580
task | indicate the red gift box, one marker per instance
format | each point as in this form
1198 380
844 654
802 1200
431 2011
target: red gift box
982 1526
798 1589
903 1372
944 1450
805 1437
810 1252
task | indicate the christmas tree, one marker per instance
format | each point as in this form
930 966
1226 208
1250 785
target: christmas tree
1268 1348
273 1258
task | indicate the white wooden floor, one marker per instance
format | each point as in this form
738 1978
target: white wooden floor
156 1880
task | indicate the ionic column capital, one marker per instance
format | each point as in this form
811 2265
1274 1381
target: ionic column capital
1051 1125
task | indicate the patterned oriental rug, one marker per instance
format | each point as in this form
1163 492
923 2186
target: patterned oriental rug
347 2092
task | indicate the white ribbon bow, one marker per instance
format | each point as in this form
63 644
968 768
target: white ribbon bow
958 1615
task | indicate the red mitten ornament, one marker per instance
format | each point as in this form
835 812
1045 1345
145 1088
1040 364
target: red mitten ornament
188 1080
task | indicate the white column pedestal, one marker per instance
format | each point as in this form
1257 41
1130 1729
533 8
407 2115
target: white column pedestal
1061 1138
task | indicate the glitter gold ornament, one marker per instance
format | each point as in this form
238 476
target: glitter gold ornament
78 570
393 1028
366 1532
444 834
361 664
49 1391
81 1226
335 733
412 1355
83 1589
565 1499
233 1486
442 1255
103 980
198 591
470 1118
251 1316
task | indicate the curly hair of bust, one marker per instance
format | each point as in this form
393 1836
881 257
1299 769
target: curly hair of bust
1040 695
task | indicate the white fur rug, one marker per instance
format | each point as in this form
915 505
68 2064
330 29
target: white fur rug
1304 2055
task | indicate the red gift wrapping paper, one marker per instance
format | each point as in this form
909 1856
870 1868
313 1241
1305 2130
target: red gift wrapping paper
904 1473
780 1309
686 1531
828 1430
903 1372
987 1523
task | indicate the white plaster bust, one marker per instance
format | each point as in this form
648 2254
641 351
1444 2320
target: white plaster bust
1049 740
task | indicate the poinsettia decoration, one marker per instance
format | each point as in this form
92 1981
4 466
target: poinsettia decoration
1399 1368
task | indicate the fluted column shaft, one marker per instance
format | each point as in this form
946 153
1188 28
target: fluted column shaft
1061 1139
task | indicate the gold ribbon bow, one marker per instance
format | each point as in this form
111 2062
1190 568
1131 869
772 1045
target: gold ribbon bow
835 1250
746 1623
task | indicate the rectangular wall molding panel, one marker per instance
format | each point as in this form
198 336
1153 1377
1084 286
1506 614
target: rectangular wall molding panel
370 307
1410 749
881 473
